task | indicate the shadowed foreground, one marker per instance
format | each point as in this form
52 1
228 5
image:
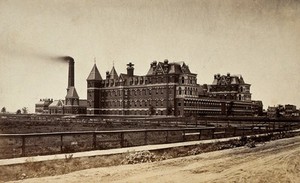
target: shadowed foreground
276 161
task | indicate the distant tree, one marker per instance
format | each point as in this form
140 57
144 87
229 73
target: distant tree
3 110
24 110
18 111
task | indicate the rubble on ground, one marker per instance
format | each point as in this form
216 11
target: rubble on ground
143 157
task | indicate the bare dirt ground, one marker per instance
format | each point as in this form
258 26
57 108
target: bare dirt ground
275 161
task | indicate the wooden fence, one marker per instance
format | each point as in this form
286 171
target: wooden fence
17 145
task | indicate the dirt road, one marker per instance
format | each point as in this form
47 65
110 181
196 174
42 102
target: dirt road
277 161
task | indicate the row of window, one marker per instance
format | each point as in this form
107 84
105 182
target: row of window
132 112
193 112
199 103
213 104
133 92
136 81
135 104
228 88
145 80
224 97
187 91
143 103
189 80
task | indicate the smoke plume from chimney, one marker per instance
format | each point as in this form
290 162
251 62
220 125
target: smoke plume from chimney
71 70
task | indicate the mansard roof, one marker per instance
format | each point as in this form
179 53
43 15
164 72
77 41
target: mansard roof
228 80
94 74
168 68
185 69
72 93
175 68
44 102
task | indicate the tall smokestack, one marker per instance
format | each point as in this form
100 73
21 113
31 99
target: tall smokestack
71 71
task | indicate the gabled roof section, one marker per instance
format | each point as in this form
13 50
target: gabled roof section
94 74
113 73
44 102
235 80
215 82
123 76
72 93
175 68
185 69
228 80
57 103
159 69
151 71
242 80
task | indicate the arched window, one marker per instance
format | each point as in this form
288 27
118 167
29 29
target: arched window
182 80
179 90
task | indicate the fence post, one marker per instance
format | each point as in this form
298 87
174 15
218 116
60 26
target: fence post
183 135
167 137
200 134
234 131
23 145
94 140
213 133
61 143
122 139
146 138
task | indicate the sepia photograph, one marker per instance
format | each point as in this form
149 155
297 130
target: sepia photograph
150 91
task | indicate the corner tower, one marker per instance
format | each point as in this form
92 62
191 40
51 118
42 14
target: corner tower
93 91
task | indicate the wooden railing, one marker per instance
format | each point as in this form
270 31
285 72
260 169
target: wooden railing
23 142
17 145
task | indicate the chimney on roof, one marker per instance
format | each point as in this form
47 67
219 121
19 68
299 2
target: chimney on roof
130 69
228 74
107 75
154 64
166 65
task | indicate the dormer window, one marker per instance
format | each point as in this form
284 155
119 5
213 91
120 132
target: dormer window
141 81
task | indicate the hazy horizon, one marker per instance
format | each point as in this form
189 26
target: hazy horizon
258 39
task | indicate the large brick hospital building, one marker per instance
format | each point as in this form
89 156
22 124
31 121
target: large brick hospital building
167 89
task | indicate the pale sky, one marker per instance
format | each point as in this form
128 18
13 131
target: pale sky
258 39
